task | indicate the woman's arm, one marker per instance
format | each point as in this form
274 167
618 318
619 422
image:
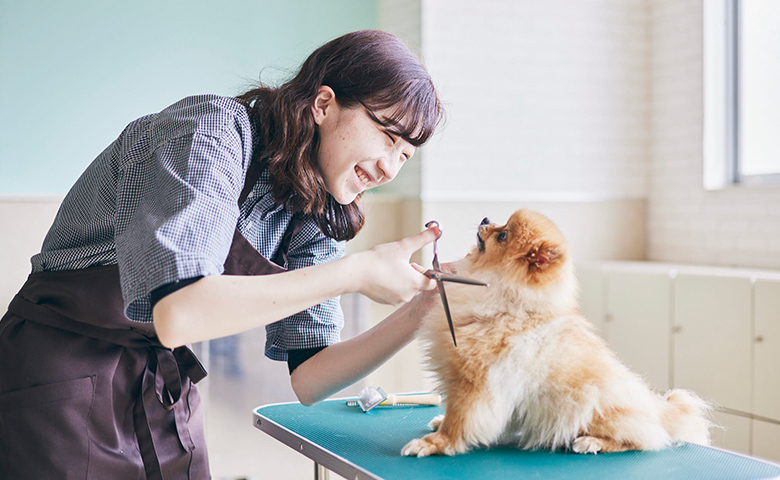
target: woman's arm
344 363
221 305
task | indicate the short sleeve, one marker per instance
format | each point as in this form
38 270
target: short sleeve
178 208
320 325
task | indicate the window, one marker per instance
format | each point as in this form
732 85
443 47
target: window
742 92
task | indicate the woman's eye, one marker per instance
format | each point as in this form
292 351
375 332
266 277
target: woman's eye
502 236
392 139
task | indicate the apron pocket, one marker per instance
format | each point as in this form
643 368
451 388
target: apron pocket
44 430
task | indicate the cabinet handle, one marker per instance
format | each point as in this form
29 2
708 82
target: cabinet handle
676 329
608 318
759 339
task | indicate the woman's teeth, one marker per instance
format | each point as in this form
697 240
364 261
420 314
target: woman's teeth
362 175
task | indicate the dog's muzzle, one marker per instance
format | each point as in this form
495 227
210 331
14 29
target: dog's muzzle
480 242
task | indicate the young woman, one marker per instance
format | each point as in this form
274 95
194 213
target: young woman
171 236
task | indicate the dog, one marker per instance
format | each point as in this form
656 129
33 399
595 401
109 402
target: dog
529 369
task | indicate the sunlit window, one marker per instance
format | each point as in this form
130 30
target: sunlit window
741 92
755 26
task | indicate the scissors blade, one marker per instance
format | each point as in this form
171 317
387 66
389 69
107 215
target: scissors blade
447 311
451 277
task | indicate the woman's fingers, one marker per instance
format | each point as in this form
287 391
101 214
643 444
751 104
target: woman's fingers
390 279
431 284
416 242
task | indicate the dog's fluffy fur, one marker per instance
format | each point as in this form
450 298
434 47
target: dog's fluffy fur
529 370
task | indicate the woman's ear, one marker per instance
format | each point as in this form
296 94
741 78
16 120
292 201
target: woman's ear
323 103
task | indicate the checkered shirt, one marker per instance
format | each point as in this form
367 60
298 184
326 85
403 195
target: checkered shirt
161 201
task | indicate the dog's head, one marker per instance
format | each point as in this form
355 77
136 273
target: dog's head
528 250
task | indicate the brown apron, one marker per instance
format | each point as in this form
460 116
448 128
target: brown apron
87 393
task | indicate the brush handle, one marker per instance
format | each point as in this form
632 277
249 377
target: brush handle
426 399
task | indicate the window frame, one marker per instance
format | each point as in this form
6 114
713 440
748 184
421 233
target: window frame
722 23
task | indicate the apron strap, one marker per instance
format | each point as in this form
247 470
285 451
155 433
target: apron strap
162 386
295 226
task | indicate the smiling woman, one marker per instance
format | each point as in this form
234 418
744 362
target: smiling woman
171 237
369 69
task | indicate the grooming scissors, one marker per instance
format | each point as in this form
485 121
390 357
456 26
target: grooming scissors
437 274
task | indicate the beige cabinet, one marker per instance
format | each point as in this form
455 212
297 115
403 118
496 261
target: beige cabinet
766 377
732 432
715 331
591 282
637 322
712 338
766 440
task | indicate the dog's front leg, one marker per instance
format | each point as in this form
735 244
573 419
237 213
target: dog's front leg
469 420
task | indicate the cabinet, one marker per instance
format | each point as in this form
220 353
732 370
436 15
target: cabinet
715 331
732 433
712 338
766 440
637 322
766 379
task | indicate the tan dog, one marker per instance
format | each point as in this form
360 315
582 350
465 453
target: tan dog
529 370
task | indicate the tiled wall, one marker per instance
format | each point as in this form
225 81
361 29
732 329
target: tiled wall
565 104
686 224
543 98
547 108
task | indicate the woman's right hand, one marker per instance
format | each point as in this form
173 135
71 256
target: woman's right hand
385 273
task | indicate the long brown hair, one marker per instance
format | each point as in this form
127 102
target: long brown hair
369 68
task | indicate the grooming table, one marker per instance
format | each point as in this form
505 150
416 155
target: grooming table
359 445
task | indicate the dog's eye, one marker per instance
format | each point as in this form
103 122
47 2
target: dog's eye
501 236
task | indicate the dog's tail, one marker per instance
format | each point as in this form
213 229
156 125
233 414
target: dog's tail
687 417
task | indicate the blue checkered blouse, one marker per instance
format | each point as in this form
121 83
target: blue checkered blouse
162 202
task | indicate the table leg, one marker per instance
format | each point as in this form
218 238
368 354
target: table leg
320 472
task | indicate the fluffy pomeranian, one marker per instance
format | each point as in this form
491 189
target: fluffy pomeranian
529 369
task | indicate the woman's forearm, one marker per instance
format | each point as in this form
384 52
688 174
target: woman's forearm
221 305
342 364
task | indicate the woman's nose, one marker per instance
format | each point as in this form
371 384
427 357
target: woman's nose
389 168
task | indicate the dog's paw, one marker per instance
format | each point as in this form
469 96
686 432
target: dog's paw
431 444
587 444
418 447
436 422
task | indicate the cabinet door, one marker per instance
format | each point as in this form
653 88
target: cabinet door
638 322
766 440
732 433
713 340
766 380
592 294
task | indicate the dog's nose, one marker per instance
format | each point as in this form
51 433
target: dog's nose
485 221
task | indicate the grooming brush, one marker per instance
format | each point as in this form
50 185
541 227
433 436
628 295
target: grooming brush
370 397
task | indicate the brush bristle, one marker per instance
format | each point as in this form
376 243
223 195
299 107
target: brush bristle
370 397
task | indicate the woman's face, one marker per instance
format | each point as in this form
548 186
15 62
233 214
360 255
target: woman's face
355 153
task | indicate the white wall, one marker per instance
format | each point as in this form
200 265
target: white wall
547 107
738 226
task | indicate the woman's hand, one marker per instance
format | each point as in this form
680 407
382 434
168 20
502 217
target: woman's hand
422 303
387 276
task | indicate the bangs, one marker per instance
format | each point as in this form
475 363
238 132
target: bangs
414 118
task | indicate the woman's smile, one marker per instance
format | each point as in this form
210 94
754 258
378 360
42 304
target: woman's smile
362 175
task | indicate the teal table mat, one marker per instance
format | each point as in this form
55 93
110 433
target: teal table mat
373 442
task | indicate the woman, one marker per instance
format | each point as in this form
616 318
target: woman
169 238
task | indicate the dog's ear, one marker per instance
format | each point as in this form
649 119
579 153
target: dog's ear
543 255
